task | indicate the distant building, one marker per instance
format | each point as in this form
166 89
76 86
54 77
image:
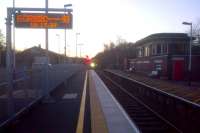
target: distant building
27 57
166 53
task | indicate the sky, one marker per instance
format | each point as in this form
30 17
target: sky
101 21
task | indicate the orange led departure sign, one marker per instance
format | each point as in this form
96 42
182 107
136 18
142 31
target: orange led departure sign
42 20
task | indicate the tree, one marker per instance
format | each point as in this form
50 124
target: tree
120 40
114 55
195 30
2 50
1 39
109 46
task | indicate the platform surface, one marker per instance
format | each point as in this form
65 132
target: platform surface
59 116
115 118
83 104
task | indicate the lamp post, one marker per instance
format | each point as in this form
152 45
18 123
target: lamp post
80 45
190 52
77 42
58 43
65 6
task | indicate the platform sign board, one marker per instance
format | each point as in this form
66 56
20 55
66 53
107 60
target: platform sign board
42 20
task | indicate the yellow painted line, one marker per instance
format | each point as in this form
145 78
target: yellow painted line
98 121
79 128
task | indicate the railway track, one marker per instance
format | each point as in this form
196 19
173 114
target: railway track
191 94
152 112
145 118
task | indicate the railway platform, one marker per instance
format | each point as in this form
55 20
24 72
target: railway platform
58 114
83 104
107 115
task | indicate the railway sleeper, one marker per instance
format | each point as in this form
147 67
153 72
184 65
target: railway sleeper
141 111
156 130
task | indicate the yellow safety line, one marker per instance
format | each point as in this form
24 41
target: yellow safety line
98 121
79 128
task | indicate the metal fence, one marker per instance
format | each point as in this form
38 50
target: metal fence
29 86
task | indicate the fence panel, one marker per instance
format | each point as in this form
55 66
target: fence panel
29 87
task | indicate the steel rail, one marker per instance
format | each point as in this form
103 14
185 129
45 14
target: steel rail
143 104
158 90
167 105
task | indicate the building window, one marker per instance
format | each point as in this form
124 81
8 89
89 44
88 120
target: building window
153 49
146 51
139 52
150 50
178 48
158 49
142 51
165 48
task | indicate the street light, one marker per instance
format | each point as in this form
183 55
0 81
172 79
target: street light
77 42
190 52
65 6
58 41
80 45
58 37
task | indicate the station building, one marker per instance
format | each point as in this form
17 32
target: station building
168 55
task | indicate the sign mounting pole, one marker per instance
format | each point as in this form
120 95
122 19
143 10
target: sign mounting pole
46 89
9 68
23 20
14 53
46 30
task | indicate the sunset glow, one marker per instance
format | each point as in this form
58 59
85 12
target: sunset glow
100 22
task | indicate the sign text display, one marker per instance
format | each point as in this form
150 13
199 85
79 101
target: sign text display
42 20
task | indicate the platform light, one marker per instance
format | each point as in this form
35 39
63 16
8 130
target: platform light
190 51
67 5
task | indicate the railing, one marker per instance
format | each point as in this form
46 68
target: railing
29 88
181 112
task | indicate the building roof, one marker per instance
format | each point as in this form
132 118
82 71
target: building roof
38 50
163 36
